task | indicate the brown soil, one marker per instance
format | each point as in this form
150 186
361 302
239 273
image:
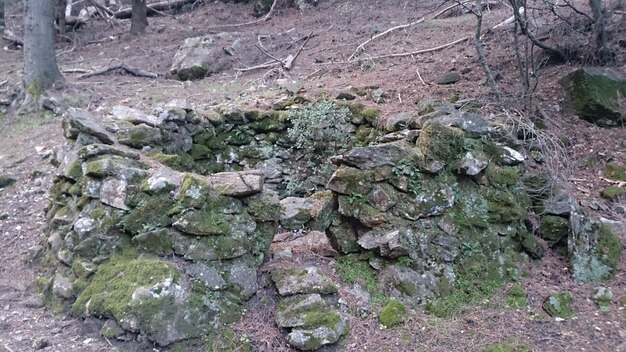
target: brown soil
338 27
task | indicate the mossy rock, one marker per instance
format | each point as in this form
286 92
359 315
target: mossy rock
515 296
594 95
439 142
612 192
151 212
505 206
180 161
393 313
601 260
202 223
559 305
615 171
554 229
502 177
110 291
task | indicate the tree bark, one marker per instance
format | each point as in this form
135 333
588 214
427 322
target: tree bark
40 65
1 16
139 20
603 53
60 16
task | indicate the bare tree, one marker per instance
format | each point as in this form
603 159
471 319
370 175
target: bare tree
603 53
60 16
40 66
139 20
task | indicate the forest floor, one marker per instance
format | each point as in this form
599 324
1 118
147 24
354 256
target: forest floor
336 28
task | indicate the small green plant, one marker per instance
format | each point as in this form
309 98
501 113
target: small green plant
354 268
151 226
355 197
516 297
318 131
405 168
507 345
471 248
405 261
228 340
615 171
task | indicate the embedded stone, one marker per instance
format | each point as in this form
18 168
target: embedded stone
296 280
237 184
472 165
84 121
135 116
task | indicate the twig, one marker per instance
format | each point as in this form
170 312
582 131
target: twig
8 348
8 35
289 63
265 65
266 53
4 82
121 65
616 182
263 19
417 70
75 70
422 51
362 46
448 8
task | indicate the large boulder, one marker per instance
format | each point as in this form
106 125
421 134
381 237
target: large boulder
596 94
199 57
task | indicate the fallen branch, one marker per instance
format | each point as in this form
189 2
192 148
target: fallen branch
286 63
13 40
615 182
121 65
152 9
263 19
417 52
75 70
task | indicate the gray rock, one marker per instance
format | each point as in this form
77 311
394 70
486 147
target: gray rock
471 165
382 197
378 95
562 205
398 121
40 343
135 116
237 184
113 193
140 136
242 278
111 329
449 78
83 121
371 157
93 150
314 212
84 227
199 57
471 123
62 286
308 339
406 284
297 280
594 94
209 276
594 249
293 311
35 301
391 243
511 157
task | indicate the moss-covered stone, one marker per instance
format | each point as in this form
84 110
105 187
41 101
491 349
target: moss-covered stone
611 192
202 223
599 261
507 346
594 95
393 313
151 213
515 296
554 229
615 171
559 304
502 177
178 161
110 291
439 142
505 206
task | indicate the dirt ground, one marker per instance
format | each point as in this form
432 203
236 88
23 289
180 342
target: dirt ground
336 28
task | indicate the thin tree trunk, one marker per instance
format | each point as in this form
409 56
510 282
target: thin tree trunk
478 44
139 20
40 66
603 54
1 16
60 16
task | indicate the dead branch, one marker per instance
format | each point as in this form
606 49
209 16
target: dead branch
286 63
12 39
421 51
120 65
75 70
449 8
289 63
263 19
152 9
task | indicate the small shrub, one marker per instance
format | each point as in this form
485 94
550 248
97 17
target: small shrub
611 192
393 313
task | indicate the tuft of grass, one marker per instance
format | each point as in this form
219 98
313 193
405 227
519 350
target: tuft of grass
611 192
473 286
354 268
507 345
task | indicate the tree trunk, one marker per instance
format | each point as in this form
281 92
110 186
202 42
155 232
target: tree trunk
139 20
60 15
1 16
40 65
603 53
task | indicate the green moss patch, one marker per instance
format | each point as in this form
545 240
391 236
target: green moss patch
515 296
354 268
559 304
438 142
393 313
615 171
151 213
507 345
110 291
611 192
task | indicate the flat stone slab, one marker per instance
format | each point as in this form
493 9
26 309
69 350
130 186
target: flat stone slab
290 281
237 184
